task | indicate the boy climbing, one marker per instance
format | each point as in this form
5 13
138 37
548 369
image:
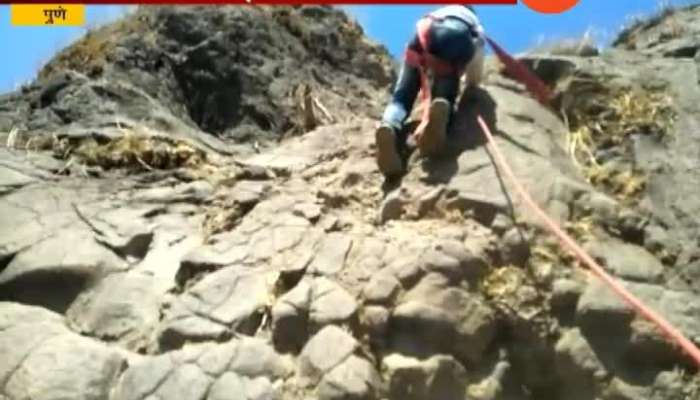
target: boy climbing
449 42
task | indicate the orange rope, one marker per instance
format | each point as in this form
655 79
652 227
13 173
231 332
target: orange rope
539 90
669 330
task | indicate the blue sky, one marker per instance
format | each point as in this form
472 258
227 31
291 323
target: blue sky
25 49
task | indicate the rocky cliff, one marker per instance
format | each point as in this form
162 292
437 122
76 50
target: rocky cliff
190 209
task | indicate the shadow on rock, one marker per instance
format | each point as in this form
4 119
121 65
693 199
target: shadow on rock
50 289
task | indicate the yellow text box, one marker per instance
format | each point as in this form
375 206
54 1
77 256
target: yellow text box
47 14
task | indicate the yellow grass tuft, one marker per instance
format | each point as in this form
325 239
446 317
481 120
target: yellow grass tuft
502 282
89 53
607 120
135 150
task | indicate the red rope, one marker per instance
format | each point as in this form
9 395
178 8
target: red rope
521 73
669 330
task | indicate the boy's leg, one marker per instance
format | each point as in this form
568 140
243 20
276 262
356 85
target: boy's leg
403 97
444 92
475 69
400 106
451 41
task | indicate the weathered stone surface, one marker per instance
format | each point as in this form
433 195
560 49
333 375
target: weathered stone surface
629 262
670 384
375 321
436 261
290 316
30 274
325 351
439 377
428 201
354 379
434 317
565 296
619 389
42 359
601 311
330 304
392 207
407 270
124 307
231 386
280 239
255 357
679 308
24 329
516 249
228 387
331 256
578 365
87 370
192 192
455 260
122 230
381 289
227 301
491 387
193 372
310 211
248 193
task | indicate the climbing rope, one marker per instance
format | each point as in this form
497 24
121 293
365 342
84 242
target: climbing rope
673 334
541 92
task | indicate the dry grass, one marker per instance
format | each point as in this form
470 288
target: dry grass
503 282
574 46
548 254
649 113
581 229
134 151
606 121
11 141
88 54
624 184
18 140
513 293
638 24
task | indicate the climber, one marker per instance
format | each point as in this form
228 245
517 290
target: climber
455 43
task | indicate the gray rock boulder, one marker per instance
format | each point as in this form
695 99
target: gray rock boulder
208 369
629 262
42 359
290 318
326 350
382 288
331 256
227 301
331 304
578 365
435 318
438 377
354 379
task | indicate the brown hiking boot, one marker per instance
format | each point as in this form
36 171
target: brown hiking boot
432 138
388 158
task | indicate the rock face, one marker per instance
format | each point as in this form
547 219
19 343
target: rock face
190 209
43 359
227 71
